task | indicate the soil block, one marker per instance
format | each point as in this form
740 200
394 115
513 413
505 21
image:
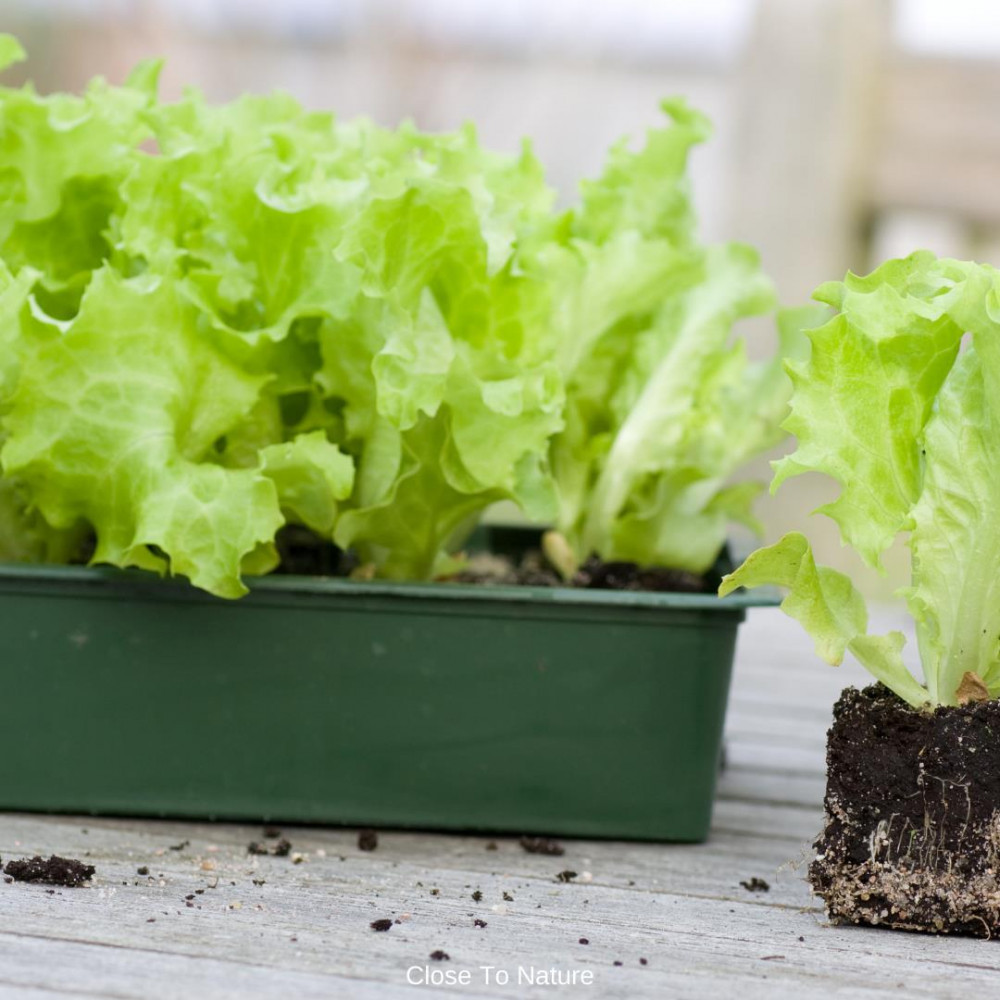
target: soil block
912 828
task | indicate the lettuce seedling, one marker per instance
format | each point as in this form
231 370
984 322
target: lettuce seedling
662 405
902 410
219 319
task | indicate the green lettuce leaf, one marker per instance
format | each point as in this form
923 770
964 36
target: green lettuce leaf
310 475
832 611
955 596
662 406
11 51
449 392
863 398
115 423
907 420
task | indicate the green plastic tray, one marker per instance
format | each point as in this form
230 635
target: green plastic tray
400 705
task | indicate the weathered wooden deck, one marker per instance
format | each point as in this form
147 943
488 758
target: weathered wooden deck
270 927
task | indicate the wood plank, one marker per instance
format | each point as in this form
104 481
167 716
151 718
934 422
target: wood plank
707 943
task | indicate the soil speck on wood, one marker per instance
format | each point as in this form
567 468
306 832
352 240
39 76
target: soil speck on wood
477 896
542 845
440 956
279 850
367 840
479 923
381 925
755 885
55 871
566 876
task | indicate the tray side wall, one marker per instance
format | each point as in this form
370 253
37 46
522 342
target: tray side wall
385 709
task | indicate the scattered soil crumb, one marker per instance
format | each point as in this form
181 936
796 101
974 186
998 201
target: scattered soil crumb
542 845
55 871
508 898
440 956
479 923
381 925
772 958
367 840
477 896
142 870
491 846
259 882
584 941
616 963
643 961
279 850
180 846
755 885
566 876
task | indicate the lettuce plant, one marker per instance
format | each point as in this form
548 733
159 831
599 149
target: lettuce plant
900 404
222 319
218 320
663 406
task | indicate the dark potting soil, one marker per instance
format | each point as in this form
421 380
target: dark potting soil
304 553
367 840
534 571
912 826
54 871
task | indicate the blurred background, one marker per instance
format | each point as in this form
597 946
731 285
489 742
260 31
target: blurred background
846 131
